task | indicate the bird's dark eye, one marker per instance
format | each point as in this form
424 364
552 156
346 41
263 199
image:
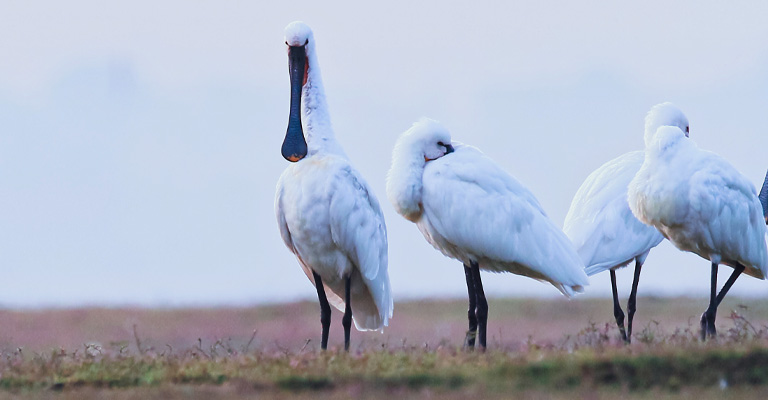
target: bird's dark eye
307 42
687 129
441 144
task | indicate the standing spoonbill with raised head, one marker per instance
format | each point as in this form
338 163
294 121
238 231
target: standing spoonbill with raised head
606 234
327 214
703 205
471 210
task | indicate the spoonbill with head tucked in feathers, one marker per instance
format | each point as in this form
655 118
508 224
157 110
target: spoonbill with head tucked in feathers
469 209
327 214
703 205
606 234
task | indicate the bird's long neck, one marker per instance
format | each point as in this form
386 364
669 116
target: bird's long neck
405 182
314 111
764 196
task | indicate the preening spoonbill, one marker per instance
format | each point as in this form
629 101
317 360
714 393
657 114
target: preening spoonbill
327 214
703 205
764 198
606 234
469 209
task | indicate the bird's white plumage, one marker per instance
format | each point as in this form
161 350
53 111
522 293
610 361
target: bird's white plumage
699 202
468 208
327 214
600 223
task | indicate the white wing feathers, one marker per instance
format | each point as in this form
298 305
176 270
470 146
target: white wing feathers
338 229
285 234
600 223
358 228
722 196
700 202
487 215
357 224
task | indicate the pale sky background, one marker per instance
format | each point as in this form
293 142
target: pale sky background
140 141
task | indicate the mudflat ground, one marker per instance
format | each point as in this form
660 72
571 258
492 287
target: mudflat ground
536 349
513 323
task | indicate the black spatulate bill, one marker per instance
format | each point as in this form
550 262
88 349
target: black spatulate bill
294 146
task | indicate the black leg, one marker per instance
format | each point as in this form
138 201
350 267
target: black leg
632 302
325 310
617 313
482 305
469 340
347 320
708 318
731 279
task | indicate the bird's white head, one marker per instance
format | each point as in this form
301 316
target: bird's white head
426 140
664 114
297 33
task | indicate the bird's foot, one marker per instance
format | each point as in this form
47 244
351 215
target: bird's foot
704 324
708 330
469 340
711 331
623 334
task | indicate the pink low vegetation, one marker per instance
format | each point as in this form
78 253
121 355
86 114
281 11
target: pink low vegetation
513 324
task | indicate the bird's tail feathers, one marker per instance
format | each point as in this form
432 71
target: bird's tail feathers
570 291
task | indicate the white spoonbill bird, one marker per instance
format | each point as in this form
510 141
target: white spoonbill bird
469 209
703 205
764 198
327 214
606 234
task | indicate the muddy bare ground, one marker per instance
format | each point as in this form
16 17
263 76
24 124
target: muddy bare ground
513 323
